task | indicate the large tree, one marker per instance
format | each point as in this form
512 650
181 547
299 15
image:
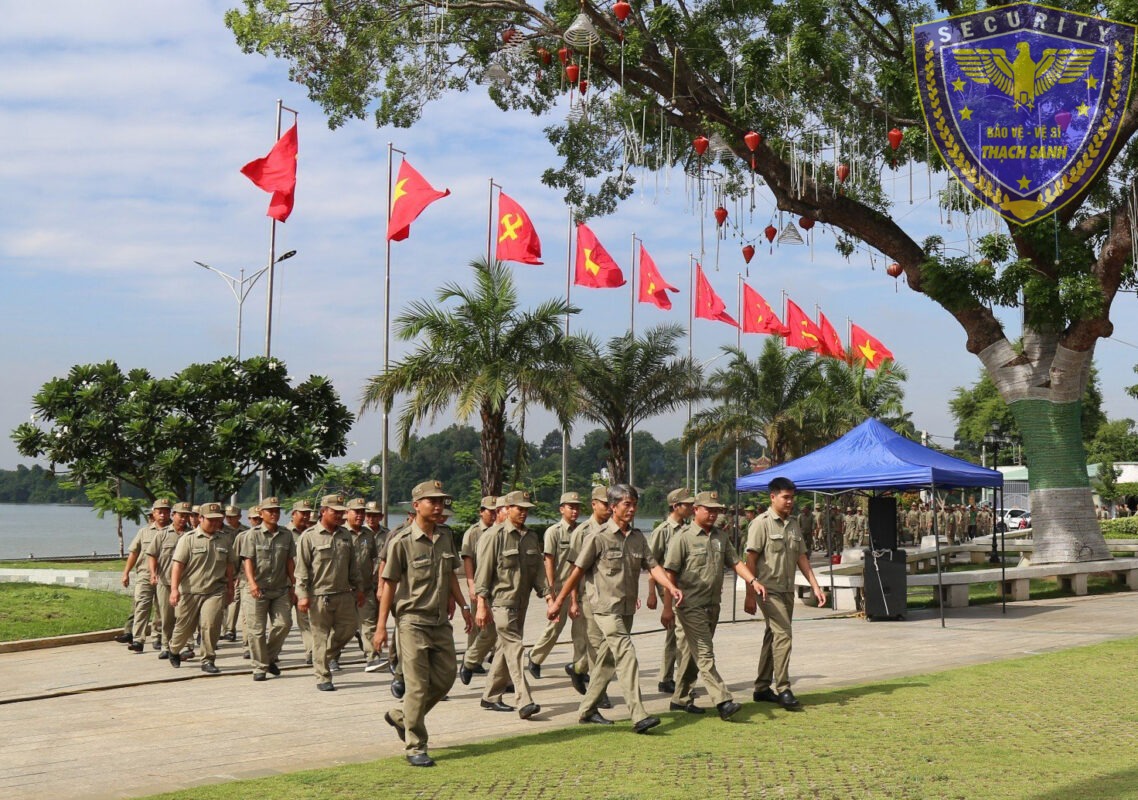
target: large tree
822 81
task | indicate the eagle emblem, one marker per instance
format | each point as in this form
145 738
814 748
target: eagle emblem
1023 79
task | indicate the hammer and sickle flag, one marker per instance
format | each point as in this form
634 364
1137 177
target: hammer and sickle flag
709 305
517 239
864 347
412 194
804 334
758 316
595 268
653 288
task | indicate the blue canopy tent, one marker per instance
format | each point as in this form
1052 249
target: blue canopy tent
874 457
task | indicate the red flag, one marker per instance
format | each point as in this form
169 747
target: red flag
517 239
708 304
653 288
412 194
867 348
758 317
831 342
804 334
595 267
276 173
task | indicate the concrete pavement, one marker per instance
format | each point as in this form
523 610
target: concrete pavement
95 721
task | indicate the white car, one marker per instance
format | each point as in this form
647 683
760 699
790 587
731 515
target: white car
1012 519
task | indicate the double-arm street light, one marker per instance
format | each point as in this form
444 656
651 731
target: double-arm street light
241 286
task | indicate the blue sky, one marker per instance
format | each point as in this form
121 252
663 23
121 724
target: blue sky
124 126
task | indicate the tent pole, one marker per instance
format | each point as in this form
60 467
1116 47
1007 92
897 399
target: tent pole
939 584
1003 555
830 550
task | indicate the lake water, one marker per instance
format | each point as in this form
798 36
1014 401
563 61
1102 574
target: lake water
51 530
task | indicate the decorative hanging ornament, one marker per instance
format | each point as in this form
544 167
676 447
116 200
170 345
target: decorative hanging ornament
806 223
545 56
790 235
572 72
497 75
581 32
770 231
583 86
752 140
720 216
748 252
563 54
893 270
621 10
843 172
700 144
895 138
508 35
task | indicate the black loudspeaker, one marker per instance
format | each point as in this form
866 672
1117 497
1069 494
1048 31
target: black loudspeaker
883 523
886 586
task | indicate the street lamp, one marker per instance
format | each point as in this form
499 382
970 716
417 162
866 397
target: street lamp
241 286
993 439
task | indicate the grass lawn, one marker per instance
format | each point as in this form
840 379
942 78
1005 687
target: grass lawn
1049 727
113 565
33 611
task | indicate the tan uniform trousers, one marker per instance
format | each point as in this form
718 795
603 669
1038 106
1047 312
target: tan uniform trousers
615 655
366 617
233 610
774 658
507 666
479 643
166 616
333 621
695 628
267 623
194 610
143 605
305 625
669 669
578 630
429 667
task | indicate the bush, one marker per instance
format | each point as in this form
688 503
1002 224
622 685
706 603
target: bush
1124 528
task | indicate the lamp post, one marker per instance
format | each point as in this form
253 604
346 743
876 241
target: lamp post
241 286
993 439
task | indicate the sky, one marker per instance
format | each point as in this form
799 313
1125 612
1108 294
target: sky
124 126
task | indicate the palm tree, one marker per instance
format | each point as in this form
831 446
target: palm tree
850 393
479 355
768 400
630 380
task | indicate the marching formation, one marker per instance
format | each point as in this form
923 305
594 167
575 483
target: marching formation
347 577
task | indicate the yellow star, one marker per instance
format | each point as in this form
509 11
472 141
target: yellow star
867 351
399 192
1092 82
966 113
1023 182
590 265
1083 109
958 85
651 287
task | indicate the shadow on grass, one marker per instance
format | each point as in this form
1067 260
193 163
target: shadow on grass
1112 785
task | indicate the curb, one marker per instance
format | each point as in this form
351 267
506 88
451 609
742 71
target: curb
22 645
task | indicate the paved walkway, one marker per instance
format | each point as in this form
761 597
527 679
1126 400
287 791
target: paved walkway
94 721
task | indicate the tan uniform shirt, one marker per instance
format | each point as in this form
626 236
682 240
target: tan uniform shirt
470 541
270 554
779 543
698 558
162 548
367 555
509 566
141 544
612 561
422 566
580 533
204 560
326 563
556 543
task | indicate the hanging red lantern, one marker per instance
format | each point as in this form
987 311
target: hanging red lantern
700 144
572 72
752 140
895 138
843 172
621 10
748 252
563 54
893 270
720 216
583 86
770 231
508 35
806 223
545 56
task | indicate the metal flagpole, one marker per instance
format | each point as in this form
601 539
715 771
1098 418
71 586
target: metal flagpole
634 278
386 334
568 288
490 223
691 357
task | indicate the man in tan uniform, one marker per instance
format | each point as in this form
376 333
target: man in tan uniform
579 674
509 568
555 554
695 560
234 527
774 550
329 586
679 512
610 560
481 638
300 521
200 582
806 525
367 554
421 586
268 557
160 559
144 591
373 518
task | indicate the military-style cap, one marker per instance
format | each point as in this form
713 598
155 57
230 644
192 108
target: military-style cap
211 510
489 501
500 502
161 502
356 504
182 508
255 512
749 507
428 489
196 510
570 499
334 502
299 505
372 507
519 499
709 500
601 493
269 502
677 496
232 511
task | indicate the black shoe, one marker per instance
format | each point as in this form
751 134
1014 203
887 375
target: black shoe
326 686
497 705
175 660
397 689
274 669
595 719
376 663
400 731
528 710
645 725
465 673
534 669
690 707
165 654
210 668
576 678
765 696
604 702
260 676
667 687
334 666
230 636
246 655
727 708
420 760
136 647
124 638
157 644
788 701
188 653
308 661
478 669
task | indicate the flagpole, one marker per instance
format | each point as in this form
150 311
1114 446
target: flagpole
391 150
735 492
568 289
490 224
634 277
691 356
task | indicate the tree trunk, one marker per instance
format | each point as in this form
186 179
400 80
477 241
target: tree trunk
618 456
1044 389
493 444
